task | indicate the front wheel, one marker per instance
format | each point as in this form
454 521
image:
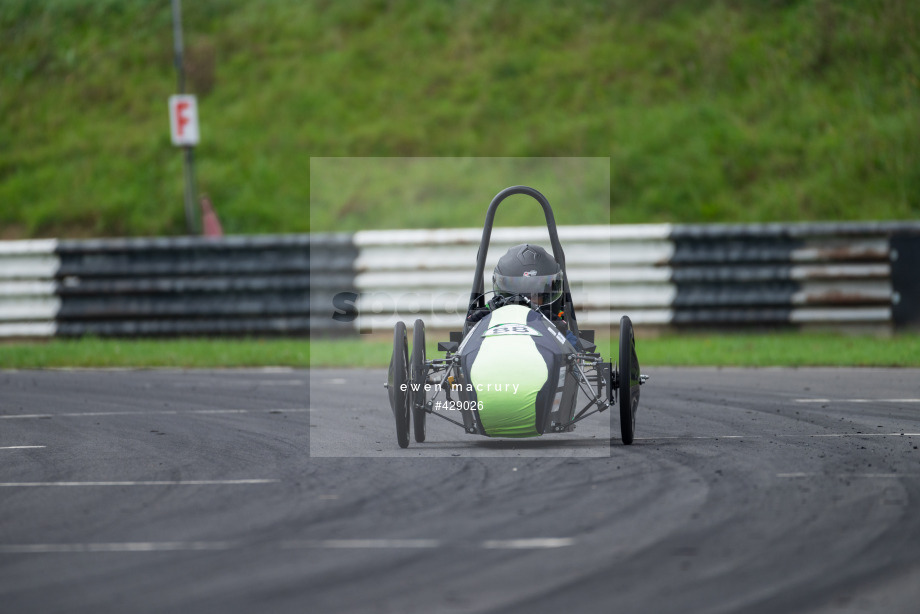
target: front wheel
419 374
398 384
628 381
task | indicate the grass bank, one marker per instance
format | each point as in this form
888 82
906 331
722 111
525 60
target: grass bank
741 350
740 110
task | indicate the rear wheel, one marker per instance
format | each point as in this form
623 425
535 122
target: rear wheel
398 384
628 381
419 375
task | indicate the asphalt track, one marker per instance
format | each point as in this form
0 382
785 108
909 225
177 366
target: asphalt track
770 490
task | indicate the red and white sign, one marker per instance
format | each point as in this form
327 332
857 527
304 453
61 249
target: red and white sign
183 120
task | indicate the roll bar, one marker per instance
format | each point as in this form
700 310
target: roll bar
477 295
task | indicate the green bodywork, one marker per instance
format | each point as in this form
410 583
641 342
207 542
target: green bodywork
512 363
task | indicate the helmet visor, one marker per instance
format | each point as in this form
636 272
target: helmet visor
540 289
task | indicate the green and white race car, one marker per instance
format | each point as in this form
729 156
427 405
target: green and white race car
517 366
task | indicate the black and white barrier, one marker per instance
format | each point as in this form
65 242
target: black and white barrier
664 275
244 285
841 274
29 302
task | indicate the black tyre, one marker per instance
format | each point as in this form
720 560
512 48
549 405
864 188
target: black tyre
419 375
398 384
628 381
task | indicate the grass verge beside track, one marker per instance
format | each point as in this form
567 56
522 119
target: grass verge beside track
732 111
786 349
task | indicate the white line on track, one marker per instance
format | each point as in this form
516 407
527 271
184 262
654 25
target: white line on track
857 400
700 437
848 475
206 372
528 544
20 447
249 382
143 483
163 412
114 547
803 436
335 544
283 382
536 543
864 435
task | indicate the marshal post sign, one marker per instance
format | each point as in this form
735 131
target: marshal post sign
183 120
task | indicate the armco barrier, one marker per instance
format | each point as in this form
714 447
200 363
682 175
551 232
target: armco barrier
664 275
168 286
841 274
28 301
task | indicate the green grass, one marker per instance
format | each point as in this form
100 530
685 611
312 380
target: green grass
782 350
178 353
731 111
744 350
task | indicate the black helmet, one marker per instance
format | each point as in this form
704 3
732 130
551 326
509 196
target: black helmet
530 271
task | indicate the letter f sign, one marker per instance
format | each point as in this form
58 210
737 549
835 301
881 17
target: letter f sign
181 117
183 120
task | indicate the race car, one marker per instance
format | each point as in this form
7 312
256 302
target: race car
517 366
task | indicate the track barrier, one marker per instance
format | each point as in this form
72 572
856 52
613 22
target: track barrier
713 276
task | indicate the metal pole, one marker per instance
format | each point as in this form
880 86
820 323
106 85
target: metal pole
191 210
191 219
177 43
